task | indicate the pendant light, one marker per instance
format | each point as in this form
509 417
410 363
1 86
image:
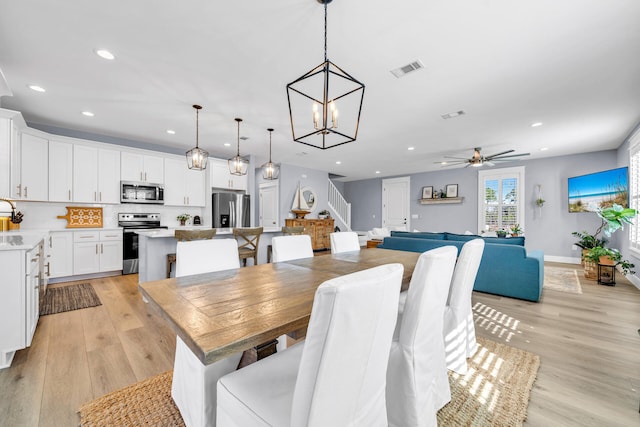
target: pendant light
197 157
313 103
238 165
270 170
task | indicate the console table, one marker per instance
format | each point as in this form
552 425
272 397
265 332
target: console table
317 229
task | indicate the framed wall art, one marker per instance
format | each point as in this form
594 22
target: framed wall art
452 190
427 192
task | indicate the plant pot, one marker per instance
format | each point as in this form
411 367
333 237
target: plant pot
606 260
514 234
590 270
584 253
182 222
501 234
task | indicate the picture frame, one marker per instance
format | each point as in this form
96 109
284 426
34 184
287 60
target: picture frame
452 190
427 192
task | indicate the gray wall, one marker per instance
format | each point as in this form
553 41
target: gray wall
548 229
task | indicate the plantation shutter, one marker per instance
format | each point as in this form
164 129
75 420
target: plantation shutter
634 190
501 196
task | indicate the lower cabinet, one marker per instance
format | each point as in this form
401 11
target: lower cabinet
22 275
97 251
59 261
318 229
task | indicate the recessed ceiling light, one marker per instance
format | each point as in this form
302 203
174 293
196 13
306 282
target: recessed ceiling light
37 88
536 124
377 171
338 162
88 113
453 114
411 148
104 53
226 144
171 131
544 148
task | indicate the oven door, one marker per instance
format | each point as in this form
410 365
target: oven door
129 252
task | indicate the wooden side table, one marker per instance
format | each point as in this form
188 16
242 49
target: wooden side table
606 274
373 243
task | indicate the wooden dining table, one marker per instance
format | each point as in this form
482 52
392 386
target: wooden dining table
218 314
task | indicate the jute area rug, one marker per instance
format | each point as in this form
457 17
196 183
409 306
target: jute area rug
495 392
67 298
562 279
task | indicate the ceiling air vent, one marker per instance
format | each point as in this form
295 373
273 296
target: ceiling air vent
452 115
409 68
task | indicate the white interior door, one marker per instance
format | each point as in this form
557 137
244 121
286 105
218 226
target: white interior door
269 212
395 203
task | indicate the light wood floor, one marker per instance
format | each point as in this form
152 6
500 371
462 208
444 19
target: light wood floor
588 343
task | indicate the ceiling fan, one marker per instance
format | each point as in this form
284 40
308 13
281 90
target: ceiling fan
478 159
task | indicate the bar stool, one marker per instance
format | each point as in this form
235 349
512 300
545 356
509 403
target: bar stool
185 236
248 241
286 231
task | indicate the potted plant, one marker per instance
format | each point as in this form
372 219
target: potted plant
609 256
324 214
183 218
515 230
539 202
587 241
501 232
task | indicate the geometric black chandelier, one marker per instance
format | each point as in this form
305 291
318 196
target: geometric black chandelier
197 157
314 99
270 170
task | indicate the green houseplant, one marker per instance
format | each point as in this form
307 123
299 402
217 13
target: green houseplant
501 232
515 230
183 218
324 214
609 256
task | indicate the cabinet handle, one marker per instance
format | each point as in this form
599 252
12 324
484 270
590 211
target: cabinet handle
141 176
100 196
188 200
69 195
48 273
35 259
145 176
101 248
25 192
86 237
19 190
96 249
50 244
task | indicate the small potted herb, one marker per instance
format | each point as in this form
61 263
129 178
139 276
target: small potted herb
324 214
515 230
501 232
183 218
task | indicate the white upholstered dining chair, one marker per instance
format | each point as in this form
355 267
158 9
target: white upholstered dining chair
417 379
344 241
194 384
287 248
336 377
459 330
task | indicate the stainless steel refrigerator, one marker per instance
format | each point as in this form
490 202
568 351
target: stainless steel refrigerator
230 210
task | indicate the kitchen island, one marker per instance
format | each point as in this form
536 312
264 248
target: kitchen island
154 246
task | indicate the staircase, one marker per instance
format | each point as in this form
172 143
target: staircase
340 208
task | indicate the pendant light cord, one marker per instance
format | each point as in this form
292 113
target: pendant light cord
238 137
325 31
197 125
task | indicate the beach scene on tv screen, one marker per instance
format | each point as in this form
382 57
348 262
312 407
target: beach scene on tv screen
589 192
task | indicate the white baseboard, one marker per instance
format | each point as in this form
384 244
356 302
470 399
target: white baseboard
564 259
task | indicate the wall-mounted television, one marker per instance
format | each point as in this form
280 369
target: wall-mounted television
596 190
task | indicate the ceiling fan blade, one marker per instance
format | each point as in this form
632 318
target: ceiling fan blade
451 157
498 154
511 156
488 163
452 164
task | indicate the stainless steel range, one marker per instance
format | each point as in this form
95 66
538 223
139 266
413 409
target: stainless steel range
130 223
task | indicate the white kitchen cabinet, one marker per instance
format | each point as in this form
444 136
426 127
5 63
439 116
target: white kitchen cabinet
142 168
222 178
60 171
60 254
95 175
22 272
30 168
183 186
6 134
97 251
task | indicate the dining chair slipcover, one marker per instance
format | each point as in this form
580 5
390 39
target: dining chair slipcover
459 330
417 379
345 241
194 384
287 248
205 256
336 377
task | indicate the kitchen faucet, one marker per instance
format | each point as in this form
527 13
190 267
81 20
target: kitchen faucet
13 209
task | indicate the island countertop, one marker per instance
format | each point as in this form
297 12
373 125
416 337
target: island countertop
169 232
21 240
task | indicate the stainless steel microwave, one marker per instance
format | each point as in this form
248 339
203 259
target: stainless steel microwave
141 192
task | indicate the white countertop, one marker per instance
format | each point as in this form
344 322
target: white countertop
161 233
17 240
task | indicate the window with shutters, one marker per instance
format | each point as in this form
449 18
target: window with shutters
501 198
634 190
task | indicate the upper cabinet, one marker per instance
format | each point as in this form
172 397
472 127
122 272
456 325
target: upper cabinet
183 186
222 178
30 168
142 168
96 175
60 171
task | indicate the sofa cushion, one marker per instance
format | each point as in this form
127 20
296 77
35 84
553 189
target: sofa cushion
419 235
500 240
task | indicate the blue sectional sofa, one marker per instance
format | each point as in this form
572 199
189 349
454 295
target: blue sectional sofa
506 268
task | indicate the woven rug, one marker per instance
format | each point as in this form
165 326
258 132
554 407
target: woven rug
562 279
495 392
67 298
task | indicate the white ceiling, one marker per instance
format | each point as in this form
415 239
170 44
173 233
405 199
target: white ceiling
573 65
